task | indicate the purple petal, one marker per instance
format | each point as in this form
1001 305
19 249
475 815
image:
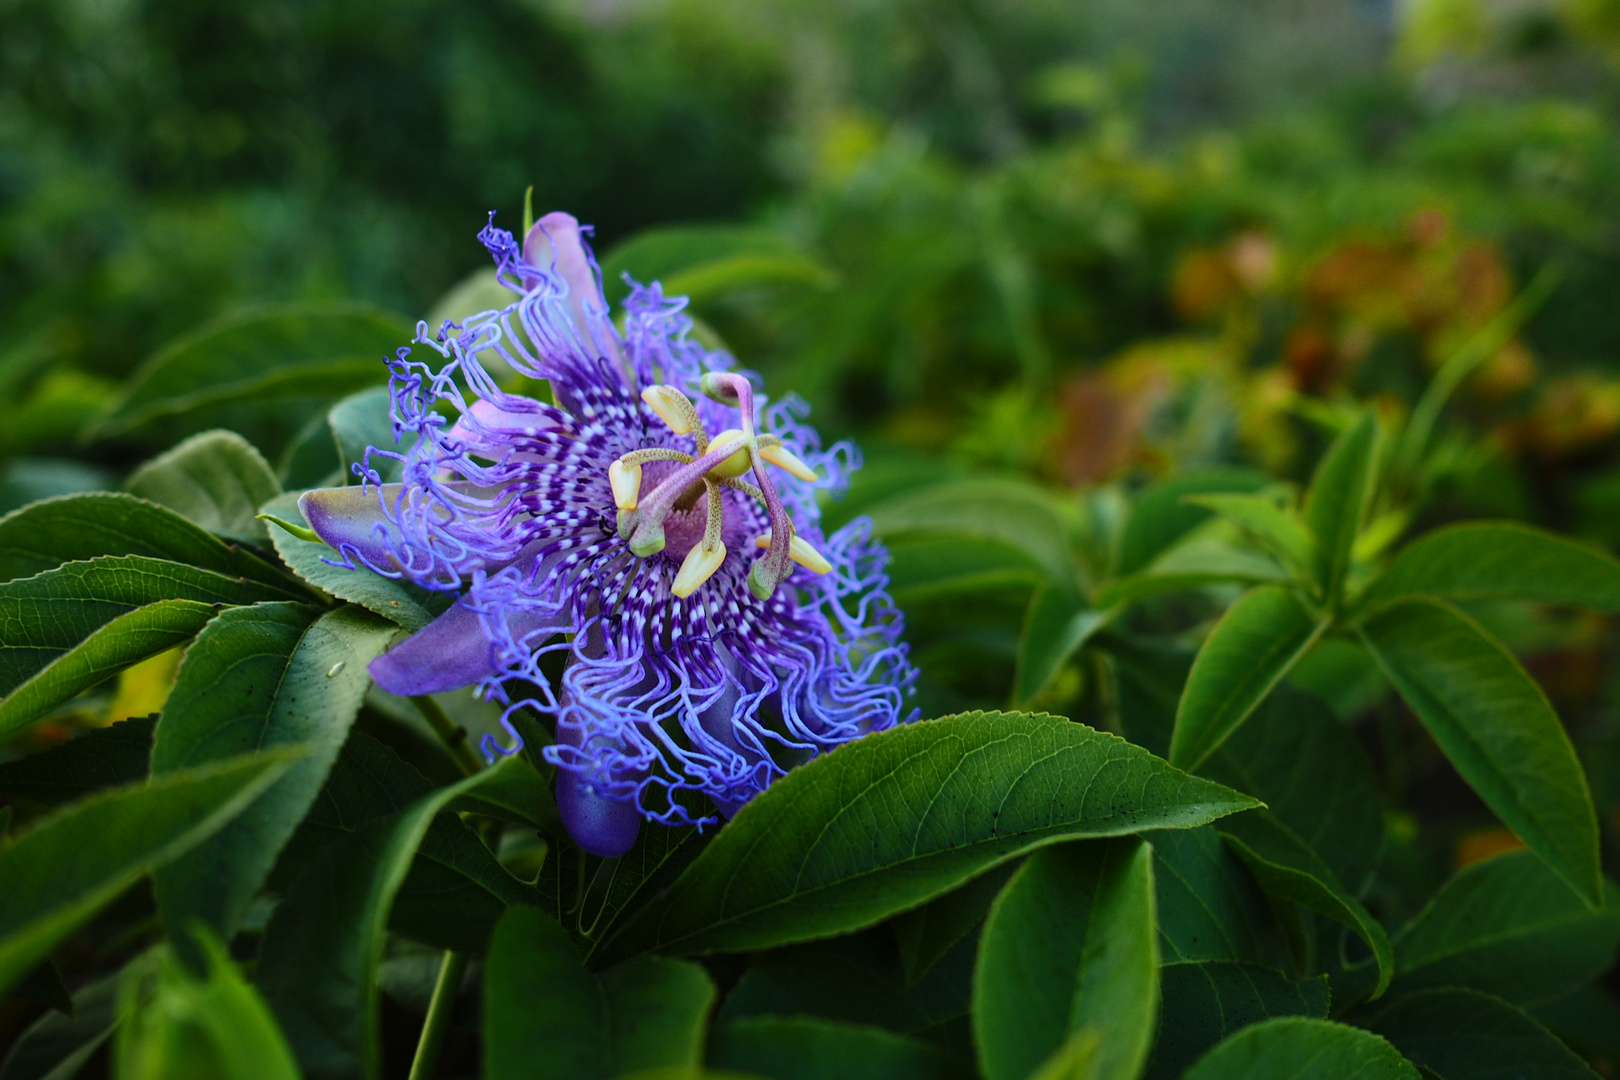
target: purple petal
351 520
554 243
448 653
602 826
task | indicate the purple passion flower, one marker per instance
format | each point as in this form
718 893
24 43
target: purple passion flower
654 535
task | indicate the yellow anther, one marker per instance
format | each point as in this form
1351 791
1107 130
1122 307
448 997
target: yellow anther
787 459
673 408
626 481
699 566
800 552
735 465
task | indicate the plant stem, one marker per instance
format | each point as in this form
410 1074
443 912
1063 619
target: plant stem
442 1004
452 734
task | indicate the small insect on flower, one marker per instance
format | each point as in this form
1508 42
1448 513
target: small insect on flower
656 530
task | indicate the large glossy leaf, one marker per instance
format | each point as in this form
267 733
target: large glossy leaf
1510 927
1203 1003
1057 625
66 866
210 1028
319 959
1295 1048
267 675
1200 562
892 820
140 606
1287 868
1337 500
360 422
1249 651
927 933
1466 1035
1209 906
1070 944
266 353
1498 729
1009 512
806 1048
546 1017
100 758
216 479
313 562
73 528
1162 516
1499 560
455 891
1277 529
653 863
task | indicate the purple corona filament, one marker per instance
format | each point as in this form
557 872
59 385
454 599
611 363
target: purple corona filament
708 634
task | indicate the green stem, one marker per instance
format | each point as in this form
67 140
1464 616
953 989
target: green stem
437 1024
452 734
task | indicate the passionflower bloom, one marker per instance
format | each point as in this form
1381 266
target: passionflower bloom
641 560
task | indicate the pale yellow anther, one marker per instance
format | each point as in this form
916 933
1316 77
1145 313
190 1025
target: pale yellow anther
626 481
699 566
735 465
787 459
673 408
800 551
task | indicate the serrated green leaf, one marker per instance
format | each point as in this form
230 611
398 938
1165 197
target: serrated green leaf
1202 1003
1070 944
100 758
267 675
807 1048
1196 564
216 479
319 959
1162 517
1246 654
362 421
1057 625
1297 1048
1008 512
1508 926
1460 1034
656 859
66 866
927 933
545 1016
175 1024
1275 528
894 819
294 350
1337 501
391 599
1499 560
1497 728
58 1046
455 890
1209 907
1287 868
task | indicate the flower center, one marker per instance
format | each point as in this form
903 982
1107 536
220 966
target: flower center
661 506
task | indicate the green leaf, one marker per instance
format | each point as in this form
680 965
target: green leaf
1009 512
321 952
1337 500
1076 1059
1466 1035
74 528
211 1028
295 350
1070 944
99 758
361 421
391 599
938 567
1277 529
1162 515
1246 654
43 984
894 819
1203 1003
705 261
66 866
1287 868
805 1048
1510 927
656 859
1208 904
1295 1048
546 1016
1200 562
1057 625
58 1046
267 675
1499 560
927 933
1498 729
216 479
455 891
